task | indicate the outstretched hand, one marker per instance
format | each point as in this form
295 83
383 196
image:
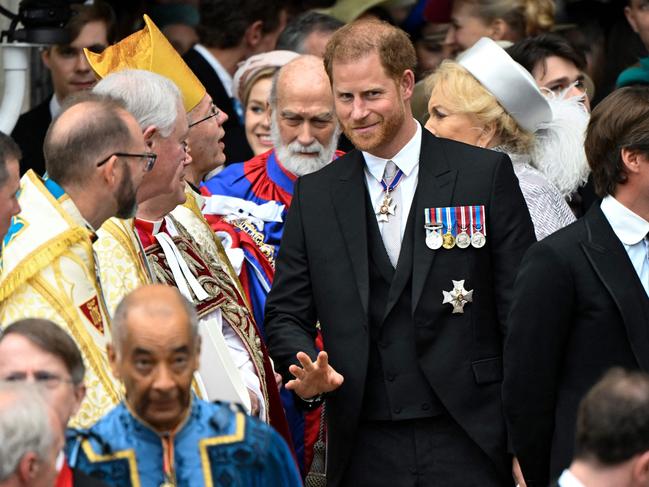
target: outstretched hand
313 378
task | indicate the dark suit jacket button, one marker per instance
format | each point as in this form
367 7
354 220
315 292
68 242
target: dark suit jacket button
425 406
397 410
390 377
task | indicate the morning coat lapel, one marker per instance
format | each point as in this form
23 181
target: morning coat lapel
348 198
613 267
434 190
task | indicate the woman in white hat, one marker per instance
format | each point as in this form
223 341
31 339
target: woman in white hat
488 100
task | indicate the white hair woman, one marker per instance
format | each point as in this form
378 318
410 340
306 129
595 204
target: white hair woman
488 100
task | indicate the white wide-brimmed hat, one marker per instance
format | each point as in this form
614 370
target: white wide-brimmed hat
511 84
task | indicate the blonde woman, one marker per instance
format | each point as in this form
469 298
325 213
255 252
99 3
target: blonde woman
488 100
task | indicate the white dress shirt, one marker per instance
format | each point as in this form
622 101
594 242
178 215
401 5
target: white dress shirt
55 107
226 78
567 479
631 229
407 159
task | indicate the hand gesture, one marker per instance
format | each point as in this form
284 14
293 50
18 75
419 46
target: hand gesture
313 378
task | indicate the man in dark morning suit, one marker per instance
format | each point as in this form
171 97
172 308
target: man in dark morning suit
580 301
411 375
231 31
612 436
91 27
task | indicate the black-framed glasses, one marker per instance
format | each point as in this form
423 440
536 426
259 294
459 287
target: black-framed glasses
41 377
149 159
214 112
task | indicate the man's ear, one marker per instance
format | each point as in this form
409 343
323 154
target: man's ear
640 469
407 84
197 355
254 34
28 466
113 361
45 56
149 136
79 395
109 172
630 18
631 159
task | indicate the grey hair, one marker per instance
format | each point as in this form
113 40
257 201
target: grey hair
298 29
120 318
24 426
152 99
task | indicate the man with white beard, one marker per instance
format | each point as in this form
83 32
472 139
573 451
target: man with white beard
247 203
249 200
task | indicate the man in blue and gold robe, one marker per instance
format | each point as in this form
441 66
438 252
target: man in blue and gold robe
161 434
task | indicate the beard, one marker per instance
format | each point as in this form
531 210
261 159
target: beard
388 127
126 196
293 156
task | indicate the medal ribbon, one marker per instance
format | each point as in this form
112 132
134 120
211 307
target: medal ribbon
460 217
388 188
168 459
450 221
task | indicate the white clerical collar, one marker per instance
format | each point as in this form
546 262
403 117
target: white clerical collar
629 227
55 106
568 479
406 159
221 72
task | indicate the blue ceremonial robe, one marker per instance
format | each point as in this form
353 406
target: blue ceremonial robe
215 446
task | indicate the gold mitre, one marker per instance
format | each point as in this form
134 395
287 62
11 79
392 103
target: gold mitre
150 50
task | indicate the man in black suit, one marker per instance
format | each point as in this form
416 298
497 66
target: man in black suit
90 27
231 31
413 334
580 302
612 438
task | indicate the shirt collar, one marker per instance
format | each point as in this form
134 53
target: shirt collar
568 479
629 227
406 159
221 72
55 106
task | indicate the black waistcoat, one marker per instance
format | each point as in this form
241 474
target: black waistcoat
395 388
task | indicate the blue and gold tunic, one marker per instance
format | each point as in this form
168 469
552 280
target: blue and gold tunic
215 446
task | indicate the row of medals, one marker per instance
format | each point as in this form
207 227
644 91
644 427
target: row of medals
435 239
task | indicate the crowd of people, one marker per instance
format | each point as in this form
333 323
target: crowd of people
377 243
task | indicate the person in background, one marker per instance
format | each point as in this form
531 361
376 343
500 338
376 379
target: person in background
178 22
38 351
32 438
96 160
175 438
308 33
580 300
556 66
612 438
504 21
91 27
558 70
10 156
637 15
252 83
230 31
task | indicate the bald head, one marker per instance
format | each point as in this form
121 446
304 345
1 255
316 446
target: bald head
153 303
89 128
305 74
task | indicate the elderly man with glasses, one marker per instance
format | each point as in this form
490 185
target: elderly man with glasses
38 351
49 269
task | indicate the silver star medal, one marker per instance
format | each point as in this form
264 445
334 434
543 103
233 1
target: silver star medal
458 296
386 207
